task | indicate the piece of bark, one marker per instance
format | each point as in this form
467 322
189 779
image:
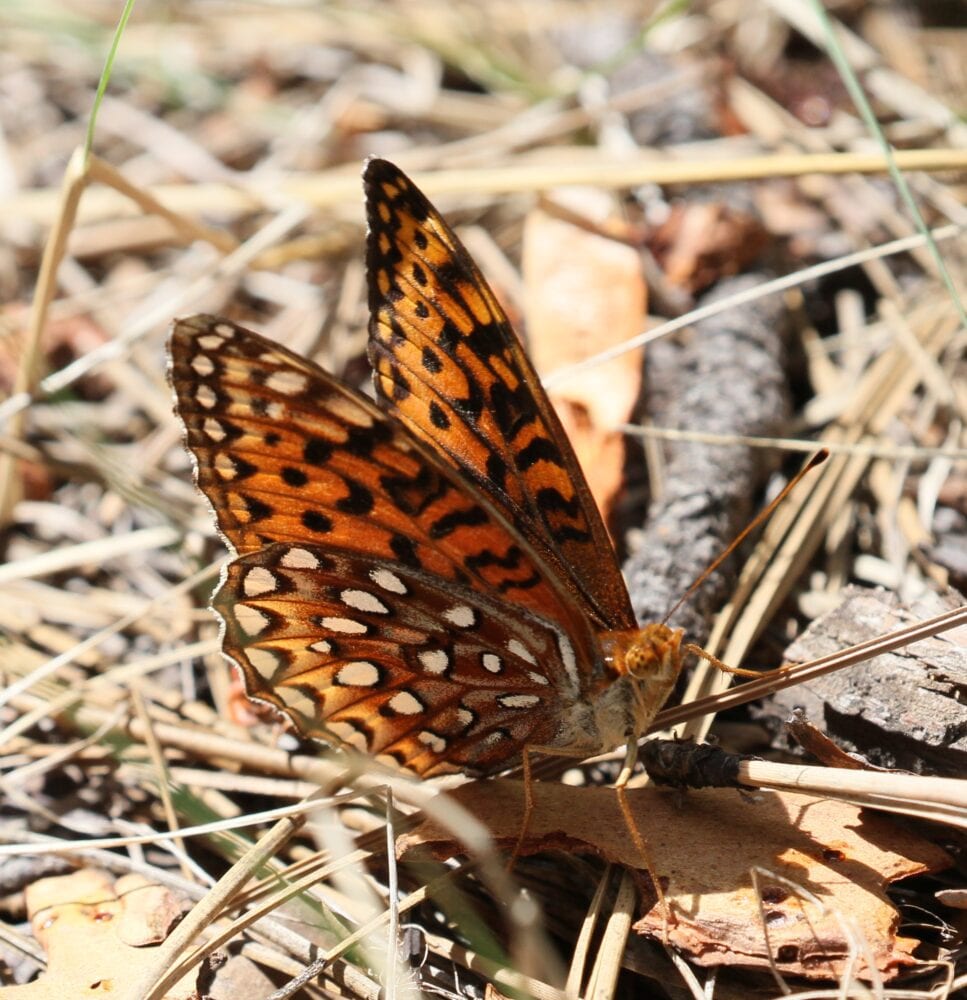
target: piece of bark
727 378
900 710
816 743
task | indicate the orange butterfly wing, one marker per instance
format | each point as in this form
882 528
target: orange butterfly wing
378 598
447 363
287 453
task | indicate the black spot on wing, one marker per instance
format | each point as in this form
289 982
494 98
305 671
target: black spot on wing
317 451
438 416
404 549
293 477
431 362
361 441
257 509
511 409
359 501
243 469
316 521
540 449
487 340
496 470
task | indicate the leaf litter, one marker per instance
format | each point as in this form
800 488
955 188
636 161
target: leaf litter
101 459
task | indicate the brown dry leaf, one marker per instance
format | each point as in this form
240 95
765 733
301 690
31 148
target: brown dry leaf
585 293
702 242
706 848
93 929
62 341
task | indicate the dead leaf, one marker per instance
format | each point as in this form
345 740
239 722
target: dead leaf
704 851
89 926
62 341
699 243
584 293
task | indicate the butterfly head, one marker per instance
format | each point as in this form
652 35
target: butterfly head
649 653
649 659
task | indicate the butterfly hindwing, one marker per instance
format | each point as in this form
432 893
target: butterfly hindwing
394 661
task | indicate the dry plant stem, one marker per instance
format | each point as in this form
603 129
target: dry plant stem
392 891
27 372
607 966
941 799
800 673
186 227
162 777
899 453
340 187
582 946
85 553
501 975
688 975
164 973
22 944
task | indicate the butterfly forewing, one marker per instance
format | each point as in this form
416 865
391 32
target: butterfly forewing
286 453
447 362
394 661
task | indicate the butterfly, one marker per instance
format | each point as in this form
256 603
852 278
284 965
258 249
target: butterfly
426 578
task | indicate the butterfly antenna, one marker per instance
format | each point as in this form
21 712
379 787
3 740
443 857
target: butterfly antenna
763 515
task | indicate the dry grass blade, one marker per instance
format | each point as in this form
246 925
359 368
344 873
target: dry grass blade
942 800
340 187
802 673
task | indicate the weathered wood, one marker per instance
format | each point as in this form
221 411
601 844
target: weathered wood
903 709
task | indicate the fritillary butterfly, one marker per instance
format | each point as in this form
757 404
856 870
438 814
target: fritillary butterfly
427 580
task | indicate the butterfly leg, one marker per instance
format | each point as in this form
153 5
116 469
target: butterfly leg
620 786
573 753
